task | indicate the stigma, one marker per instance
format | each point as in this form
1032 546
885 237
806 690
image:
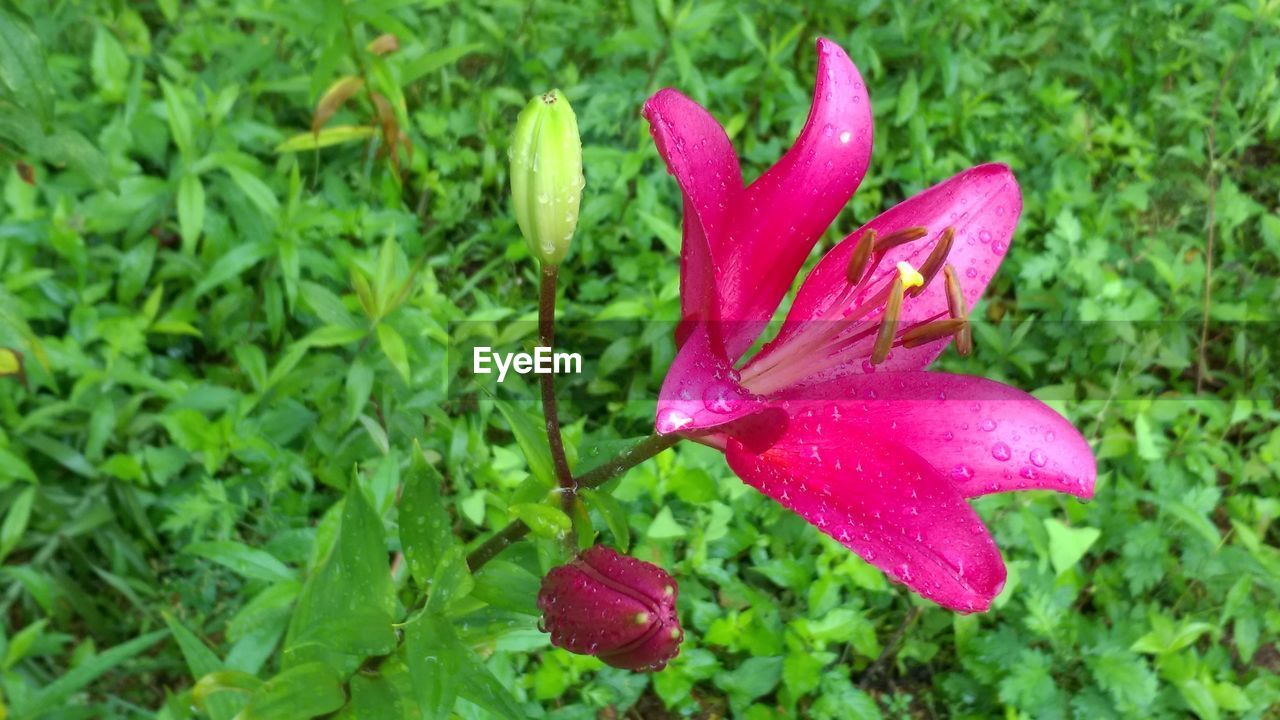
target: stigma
910 276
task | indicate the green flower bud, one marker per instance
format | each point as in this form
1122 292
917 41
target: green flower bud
546 175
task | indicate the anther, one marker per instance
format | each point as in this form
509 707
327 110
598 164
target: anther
956 304
900 237
911 278
861 256
930 331
937 257
889 326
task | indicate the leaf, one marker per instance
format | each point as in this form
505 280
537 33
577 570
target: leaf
255 190
533 443
507 586
393 347
179 119
347 605
1068 545
57 692
210 687
15 521
451 580
232 264
23 67
614 516
432 61
190 210
334 135
384 44
304 691
426 530
442 668
543 519
201 661
240 558
374 698
434 659
333 99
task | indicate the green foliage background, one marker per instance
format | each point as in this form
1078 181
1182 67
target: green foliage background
223 341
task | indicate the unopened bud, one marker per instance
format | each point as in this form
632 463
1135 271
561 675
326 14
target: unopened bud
620 609
546 175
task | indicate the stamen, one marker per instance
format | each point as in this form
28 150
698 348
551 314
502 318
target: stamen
937 257
861 256
930 331
956 304
889 326
900 237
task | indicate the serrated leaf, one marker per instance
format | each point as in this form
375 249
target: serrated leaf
1067 545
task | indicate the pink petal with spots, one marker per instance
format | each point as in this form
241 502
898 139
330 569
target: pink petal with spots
882 501
984 436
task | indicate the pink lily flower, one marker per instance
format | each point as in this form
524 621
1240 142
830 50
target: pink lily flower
835 418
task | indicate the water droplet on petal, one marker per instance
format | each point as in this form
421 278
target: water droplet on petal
1001 452
987 425
670 420
721 398
984 236
1038 458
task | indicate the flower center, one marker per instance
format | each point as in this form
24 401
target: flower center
849 329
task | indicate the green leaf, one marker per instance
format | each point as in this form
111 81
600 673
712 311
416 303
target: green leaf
532 439
179 119
304 691
612 512
232 264
15 521
250 562
394 348
334 135
57 692
23 67
543 519
201 661
507 586
347 605
426 530
432 61
190 210
255 190
435 658
451 581
1068 545
374 698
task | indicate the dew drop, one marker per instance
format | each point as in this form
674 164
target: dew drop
1038 458
987 425
971 273
845 137
984 236
1001 452
670 420
721 398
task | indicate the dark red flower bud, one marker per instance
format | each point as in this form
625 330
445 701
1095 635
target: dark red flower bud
620 609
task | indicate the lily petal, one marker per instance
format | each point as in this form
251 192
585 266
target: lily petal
701 389
700 156
982 204
984 436
881 501
786 210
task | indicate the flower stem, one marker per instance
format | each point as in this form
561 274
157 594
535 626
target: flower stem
547 338
624 461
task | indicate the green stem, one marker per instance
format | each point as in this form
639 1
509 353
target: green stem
628 459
